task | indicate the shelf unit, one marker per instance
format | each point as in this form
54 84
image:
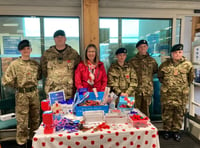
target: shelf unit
196 84
195 26
195 87
194 104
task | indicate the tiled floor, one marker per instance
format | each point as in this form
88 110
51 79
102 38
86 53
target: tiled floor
12 144
187 142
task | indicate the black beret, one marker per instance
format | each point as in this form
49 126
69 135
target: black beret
177 47
121 50
141 42
59 33
23 43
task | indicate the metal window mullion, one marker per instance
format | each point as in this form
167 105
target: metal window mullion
42 40
191 100
195 103
119 32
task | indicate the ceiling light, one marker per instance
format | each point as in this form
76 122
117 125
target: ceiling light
10 25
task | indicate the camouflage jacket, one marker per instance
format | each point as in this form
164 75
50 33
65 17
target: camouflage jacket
145 67
58 69
22 74
122 79
175 78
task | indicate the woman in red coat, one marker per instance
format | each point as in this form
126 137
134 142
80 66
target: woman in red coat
91 73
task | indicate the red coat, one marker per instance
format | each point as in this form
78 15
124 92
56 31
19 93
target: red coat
82 74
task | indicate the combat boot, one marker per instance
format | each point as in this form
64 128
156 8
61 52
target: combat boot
166 135
177 136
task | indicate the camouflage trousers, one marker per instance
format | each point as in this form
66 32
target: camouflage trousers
142 103
172 117
27 115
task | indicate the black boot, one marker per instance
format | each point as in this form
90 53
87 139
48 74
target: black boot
177 136
166 135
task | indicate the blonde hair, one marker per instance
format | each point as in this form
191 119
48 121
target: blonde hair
96 59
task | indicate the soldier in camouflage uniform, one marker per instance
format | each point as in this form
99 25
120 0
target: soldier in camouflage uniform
176 74
58 65
23 75
145 67
122 78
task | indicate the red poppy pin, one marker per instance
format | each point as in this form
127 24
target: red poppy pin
127 76
68 61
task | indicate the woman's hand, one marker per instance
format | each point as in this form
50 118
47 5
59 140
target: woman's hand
124 94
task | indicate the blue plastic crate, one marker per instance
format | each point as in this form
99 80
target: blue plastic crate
78 111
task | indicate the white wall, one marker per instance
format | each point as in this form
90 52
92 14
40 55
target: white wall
187 37
108 8
145 8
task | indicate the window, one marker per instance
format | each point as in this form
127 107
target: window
126 32
130 31
69 25
109 39
39 31
178 30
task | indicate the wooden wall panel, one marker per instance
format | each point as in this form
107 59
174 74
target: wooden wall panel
90 22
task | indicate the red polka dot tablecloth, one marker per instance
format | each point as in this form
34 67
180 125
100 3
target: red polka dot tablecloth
119 135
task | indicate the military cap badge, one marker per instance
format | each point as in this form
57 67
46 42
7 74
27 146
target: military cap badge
121 50
177 47
141 42
23 43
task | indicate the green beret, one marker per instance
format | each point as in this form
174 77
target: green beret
121 50
23 43
141 42
59 33
177 47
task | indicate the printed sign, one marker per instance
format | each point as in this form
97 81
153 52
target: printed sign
10 44
56 96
